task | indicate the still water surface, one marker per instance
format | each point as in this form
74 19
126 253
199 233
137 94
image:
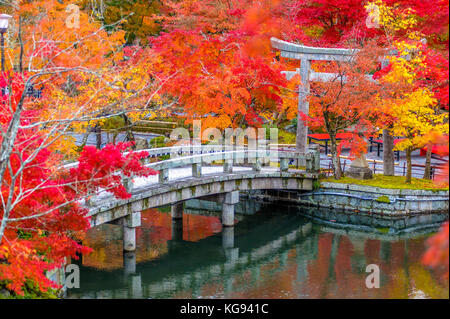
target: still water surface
270 254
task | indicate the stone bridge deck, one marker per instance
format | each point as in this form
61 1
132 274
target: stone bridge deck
148 192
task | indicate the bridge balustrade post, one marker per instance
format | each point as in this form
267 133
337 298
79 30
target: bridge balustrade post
309 162
127 183
197 170
89 200
230 200
228 166
284 164
163 176
130 223
315 149
257 165
313 159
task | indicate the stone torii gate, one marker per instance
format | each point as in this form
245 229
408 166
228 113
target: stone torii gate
307 54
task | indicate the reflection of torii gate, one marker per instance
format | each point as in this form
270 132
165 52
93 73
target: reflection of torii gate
306 55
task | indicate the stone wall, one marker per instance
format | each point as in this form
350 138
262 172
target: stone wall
378 200
366 207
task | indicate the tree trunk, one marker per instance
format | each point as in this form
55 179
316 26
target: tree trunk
21 45
409 166
84 140
129 132
388 154
427 174
337 170
98 135
6 148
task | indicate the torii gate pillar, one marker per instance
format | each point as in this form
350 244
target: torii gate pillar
303 105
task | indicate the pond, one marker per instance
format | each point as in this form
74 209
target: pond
269 254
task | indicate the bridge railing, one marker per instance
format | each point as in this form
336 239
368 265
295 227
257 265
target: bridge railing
201 155
206 155
175 151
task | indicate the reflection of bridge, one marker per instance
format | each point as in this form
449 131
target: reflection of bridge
189 266
186 177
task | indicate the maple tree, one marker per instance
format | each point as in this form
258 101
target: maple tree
210 16
59 38
409 108
137 16
224 87
55 47
345 104
328 22
433 75
436 255
225 70
41 216
81 64
334 23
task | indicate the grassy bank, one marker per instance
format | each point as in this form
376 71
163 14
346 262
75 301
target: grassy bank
392 182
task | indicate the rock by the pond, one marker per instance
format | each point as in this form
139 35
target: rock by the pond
359 169
5 293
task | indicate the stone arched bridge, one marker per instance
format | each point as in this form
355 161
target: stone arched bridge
191 172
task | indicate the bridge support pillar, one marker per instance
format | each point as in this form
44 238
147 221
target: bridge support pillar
231 253
130 223
177 222
228 237
129 238
228 287
177 230
129 263
230 200
135 287
177 211
228 214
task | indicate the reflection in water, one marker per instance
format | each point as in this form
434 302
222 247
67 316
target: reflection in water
271 254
